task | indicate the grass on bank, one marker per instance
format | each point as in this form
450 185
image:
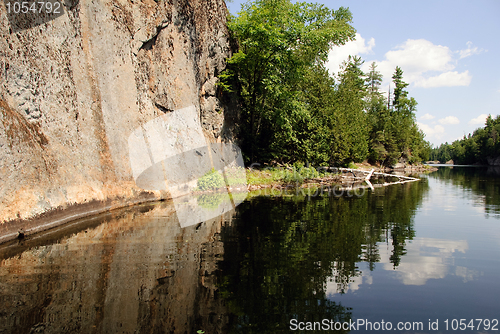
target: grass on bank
296 173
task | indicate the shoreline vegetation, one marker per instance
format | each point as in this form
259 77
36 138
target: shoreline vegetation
300 176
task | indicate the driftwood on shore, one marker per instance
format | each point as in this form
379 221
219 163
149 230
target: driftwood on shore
361 175
347 179
366 175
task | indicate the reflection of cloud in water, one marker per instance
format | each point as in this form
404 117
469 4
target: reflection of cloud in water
467 274
440 199
426 258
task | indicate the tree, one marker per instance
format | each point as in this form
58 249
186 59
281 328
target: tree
410 140
381 143
400 85
373 81
350 107
279 41
292 110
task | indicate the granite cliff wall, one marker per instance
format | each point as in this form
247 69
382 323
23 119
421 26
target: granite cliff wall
73 89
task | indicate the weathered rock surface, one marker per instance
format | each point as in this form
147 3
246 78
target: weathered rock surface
73 89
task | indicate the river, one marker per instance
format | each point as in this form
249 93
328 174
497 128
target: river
419 257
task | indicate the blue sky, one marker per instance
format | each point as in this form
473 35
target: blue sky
449 52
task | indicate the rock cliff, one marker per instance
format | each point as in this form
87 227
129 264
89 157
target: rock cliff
74 88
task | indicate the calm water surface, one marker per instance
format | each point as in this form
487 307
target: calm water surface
420 253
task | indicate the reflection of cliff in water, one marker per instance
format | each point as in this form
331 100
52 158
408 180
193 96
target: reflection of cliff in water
134 272
483 181
254 269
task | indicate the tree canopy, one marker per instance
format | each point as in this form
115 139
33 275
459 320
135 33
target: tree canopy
293 110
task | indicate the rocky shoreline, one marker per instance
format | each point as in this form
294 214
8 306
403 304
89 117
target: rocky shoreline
357 175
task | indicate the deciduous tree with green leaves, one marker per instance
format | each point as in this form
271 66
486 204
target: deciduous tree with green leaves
279 41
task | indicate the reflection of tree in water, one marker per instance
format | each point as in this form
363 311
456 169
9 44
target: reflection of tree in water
280 252
275 265
483 181
390 219
211 201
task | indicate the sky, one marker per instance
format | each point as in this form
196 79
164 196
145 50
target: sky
449 52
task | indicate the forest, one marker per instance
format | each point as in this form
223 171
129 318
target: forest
293 110
477 148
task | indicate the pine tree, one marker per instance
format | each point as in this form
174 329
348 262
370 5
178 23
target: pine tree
399 91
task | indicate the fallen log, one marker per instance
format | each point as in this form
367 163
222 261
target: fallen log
372 172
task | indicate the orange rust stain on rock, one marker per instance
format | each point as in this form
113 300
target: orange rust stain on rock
19 130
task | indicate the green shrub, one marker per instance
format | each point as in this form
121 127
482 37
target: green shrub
352 165
236 176
298 174
211 180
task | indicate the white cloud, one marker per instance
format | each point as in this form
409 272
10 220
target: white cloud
437 131
424 64
339 54
417 55
427 117
449 120
470 51
447 79
481 119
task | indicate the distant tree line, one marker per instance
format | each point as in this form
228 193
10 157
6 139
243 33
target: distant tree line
293 110
484 143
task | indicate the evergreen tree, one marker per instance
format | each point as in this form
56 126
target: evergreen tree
349 107
292 110
373 82
399 91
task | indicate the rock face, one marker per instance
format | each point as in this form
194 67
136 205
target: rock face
74 88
